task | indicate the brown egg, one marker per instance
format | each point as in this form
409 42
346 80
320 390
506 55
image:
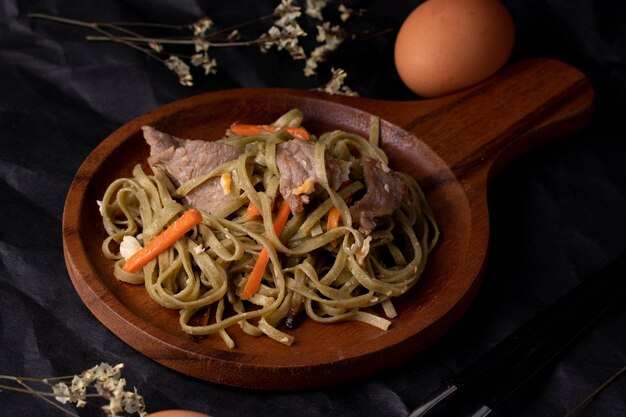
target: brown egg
447 45
177 413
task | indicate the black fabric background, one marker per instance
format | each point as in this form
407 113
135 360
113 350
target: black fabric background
558 214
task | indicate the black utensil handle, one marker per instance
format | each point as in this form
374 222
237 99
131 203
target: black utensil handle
502 371
548 334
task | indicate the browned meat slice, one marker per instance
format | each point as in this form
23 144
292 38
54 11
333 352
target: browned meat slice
385 190
298 176
183 159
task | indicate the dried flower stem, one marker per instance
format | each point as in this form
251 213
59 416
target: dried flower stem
166 41
136 37
61 19
41 394
98 28
595 393
30 390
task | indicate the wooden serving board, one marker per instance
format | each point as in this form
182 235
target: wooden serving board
451 145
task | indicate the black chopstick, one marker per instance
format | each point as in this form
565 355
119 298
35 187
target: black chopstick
500 373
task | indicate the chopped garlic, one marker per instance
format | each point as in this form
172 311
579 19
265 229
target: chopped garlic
129 246
262 300
226 182
307 187
317 229
198 249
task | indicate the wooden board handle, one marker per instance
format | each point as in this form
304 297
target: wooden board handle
524 105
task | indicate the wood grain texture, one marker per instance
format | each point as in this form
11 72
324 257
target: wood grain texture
451 145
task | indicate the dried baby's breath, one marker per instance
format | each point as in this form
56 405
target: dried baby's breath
201 44
101 381
346 13
284 32
207 63
331 37
314 8
336 84
181 69
283 38
61 392
287 13
201 26
155 46
108 384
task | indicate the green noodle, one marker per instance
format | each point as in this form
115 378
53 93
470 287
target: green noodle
329 275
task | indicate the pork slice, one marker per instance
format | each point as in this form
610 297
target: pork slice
385 190
296 163
183 159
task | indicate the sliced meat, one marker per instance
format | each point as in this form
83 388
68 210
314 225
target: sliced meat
298 176
385 190
183 159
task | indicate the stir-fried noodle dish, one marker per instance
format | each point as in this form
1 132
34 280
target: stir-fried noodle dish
267 226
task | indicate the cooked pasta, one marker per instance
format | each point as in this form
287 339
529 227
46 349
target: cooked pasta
327 272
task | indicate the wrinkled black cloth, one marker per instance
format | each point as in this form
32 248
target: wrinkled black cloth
558 214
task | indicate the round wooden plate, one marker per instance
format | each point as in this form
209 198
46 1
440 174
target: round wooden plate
451 145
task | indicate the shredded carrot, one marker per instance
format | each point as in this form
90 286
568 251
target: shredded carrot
253 283
254 280
249 130
164 240
253 211
333 219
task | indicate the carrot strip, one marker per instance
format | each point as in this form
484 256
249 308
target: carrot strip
253 211
333 219
249 130
253 283
164 240
254 280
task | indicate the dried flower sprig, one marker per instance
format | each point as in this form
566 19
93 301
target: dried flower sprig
336 84
102 382
285 33
314 8
330 38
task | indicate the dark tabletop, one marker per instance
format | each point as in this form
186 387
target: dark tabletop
557 214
